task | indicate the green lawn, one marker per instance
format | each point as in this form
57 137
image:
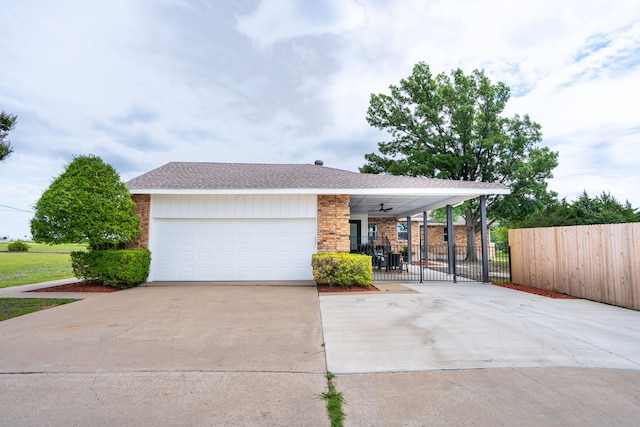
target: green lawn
41 247
14 307
25 268
40 264
501 258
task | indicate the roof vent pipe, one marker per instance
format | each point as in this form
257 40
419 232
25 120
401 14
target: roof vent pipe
319 163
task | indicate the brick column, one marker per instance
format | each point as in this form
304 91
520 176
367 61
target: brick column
143 210
333 223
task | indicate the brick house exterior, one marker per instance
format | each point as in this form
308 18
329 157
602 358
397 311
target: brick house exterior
388 227
333 223
238 221
333 226
143 210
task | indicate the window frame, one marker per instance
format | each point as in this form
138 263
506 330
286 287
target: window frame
404 225
372 231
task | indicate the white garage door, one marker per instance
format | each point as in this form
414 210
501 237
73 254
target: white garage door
232 237
232 249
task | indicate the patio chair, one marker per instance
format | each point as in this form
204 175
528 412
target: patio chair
396 263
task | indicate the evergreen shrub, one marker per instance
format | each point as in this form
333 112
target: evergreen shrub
119 268
343 270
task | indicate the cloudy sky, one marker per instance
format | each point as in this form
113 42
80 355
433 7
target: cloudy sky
142 83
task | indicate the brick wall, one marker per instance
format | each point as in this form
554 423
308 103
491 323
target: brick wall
143 210
333 223
387 227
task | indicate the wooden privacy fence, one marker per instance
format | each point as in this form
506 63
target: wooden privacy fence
595 262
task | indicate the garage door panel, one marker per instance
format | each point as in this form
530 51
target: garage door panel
232 249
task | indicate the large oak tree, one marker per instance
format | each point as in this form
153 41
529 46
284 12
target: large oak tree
453 127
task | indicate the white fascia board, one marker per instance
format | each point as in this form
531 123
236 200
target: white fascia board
462 192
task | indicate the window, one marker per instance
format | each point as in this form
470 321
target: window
402 231
372 233
355 234
446 234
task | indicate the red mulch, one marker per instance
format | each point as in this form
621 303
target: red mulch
531 290
86 286
96 287
326 289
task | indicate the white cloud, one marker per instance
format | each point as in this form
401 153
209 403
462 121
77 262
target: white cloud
286 81
275 21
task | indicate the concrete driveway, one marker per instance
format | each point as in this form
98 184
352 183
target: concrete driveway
168 355
471 326
476 354
442 355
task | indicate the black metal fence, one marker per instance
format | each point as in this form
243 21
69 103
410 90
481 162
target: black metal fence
442 263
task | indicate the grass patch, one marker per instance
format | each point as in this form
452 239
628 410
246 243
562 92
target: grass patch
14 307
22 268
334 401
41 263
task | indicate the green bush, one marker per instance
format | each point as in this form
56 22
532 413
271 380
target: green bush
344 270
18 246
120 268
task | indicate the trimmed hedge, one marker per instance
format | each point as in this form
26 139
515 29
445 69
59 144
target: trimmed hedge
120 268
344 270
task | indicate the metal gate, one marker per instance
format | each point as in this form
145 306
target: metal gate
441 263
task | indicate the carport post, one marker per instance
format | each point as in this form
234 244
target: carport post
425 252
483 239
426 235
451 239
409 240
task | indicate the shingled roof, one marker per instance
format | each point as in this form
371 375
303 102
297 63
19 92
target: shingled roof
251 176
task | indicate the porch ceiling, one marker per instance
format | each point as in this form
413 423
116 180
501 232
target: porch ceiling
402 205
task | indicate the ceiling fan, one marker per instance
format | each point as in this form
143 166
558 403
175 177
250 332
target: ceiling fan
383 209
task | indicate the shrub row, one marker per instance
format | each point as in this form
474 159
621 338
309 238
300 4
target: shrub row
120 268
344 270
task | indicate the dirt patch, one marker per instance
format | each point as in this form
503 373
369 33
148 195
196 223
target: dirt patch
326 289
78 287
531 290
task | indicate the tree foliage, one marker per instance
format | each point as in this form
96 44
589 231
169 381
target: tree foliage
7 123
603 209
452 127
87 203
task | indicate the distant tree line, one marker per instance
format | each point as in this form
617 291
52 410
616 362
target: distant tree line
602 209
7 123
